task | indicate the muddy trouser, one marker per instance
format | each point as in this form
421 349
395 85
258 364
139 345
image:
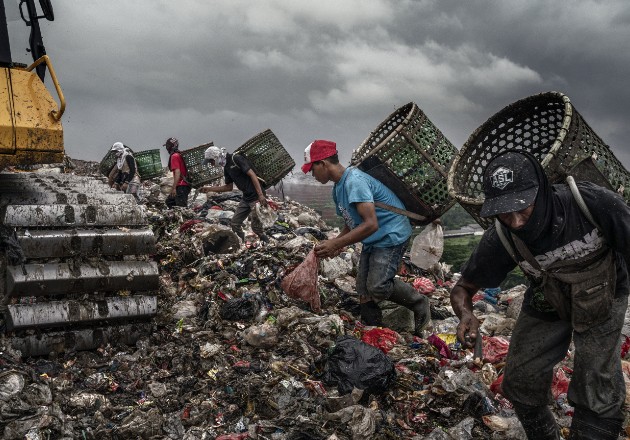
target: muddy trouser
377 268
242 212
597 389
376 281
181 197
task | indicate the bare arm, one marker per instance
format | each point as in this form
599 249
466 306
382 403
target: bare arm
369 225
461 301
176 177
221 188
259 191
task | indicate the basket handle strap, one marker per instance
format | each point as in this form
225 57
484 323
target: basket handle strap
400 211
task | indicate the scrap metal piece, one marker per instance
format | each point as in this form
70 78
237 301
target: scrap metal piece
60 243
76 340
63 278
58 313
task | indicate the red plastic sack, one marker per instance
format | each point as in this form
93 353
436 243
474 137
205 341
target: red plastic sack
495 349
625 346
382 338
302 282
560 384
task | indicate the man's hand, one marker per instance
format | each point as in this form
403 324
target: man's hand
468 329
461 301
328 249
262 200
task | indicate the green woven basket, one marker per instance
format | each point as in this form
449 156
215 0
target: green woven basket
550 128
411 156
149 164
108 162
270 161
199 174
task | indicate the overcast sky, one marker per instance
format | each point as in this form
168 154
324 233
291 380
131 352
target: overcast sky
224 70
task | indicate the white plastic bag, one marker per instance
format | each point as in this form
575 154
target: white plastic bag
266 215
427 247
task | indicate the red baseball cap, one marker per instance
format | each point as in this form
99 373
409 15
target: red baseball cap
317 150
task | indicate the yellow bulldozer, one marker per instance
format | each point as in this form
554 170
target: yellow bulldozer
74 254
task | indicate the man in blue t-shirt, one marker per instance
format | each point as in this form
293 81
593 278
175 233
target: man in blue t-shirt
384 234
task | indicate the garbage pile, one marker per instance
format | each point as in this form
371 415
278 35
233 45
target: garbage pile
233 356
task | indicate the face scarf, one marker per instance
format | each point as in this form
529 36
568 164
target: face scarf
121 154
537 232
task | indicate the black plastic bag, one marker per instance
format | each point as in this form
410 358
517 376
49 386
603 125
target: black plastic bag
355 364
240 309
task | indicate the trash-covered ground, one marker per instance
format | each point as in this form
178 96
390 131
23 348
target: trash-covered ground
232 356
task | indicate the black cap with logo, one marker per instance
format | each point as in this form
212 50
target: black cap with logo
510 184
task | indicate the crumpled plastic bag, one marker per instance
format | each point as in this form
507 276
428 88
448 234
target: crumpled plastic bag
301 283
355 364
240 309
495 349
424 285
427 247
362 421
266 215
382 338
264 335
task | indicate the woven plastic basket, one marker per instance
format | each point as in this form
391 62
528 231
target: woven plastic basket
108 162
411 156
149 164
199 174
270 161
547 126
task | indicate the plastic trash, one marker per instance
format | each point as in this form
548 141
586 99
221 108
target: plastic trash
244 308
11 383
336 267
361 420
263 335
355 364
301 283
382 338
495 349
424 285
266 215
427 247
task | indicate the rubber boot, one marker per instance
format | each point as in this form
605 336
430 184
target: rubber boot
586 425
407 296
371 314
239 233
538 422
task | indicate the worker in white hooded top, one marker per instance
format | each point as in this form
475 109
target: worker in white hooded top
125 170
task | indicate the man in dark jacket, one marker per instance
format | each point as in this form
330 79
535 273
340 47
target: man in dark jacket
181 188
578 291
238 170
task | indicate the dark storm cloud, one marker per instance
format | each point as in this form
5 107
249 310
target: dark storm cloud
142 71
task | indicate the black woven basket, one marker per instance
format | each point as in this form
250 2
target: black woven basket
550 128
108 162
199 174
411 156
270 161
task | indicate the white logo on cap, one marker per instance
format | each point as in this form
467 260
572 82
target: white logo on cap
502 177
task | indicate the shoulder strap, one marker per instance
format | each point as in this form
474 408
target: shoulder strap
506 243
400 211
580 201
